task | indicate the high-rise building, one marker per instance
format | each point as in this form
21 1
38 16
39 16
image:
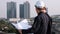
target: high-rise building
11 10
26 10
21 13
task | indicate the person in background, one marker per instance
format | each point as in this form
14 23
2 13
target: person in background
42 22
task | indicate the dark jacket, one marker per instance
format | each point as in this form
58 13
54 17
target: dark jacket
42 24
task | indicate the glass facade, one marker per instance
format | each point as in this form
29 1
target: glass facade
11 10
21 11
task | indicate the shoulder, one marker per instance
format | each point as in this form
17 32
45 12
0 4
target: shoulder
43 16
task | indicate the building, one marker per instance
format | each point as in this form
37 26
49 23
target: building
11 10
21 13
24 10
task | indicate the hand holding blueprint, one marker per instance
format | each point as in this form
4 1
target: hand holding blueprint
22 25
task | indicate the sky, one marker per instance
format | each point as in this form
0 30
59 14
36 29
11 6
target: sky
52 5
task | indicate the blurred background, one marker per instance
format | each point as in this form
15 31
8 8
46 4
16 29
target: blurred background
13 10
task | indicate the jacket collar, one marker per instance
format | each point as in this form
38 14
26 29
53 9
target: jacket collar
40 13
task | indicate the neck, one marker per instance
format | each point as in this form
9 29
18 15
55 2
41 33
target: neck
42 12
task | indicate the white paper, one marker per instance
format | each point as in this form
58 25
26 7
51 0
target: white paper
22 25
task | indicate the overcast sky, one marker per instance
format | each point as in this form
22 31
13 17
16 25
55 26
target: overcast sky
53 7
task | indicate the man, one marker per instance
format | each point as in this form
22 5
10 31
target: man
42 23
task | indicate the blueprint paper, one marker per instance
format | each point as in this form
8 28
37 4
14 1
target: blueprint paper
22 25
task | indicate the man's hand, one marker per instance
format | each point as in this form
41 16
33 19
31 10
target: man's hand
20 31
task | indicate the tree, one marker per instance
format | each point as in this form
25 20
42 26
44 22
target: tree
7 27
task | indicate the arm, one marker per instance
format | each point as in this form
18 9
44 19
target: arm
36 25
20 31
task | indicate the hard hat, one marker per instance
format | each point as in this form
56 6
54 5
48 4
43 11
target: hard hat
40 4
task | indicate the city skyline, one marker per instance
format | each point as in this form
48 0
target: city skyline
23 13
52 5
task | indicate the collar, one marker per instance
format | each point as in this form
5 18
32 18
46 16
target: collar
41 13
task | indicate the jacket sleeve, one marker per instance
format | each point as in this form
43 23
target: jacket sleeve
35 26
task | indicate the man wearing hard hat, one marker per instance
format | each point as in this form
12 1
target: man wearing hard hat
42 23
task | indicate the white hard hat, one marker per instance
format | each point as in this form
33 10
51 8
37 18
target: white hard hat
40 4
